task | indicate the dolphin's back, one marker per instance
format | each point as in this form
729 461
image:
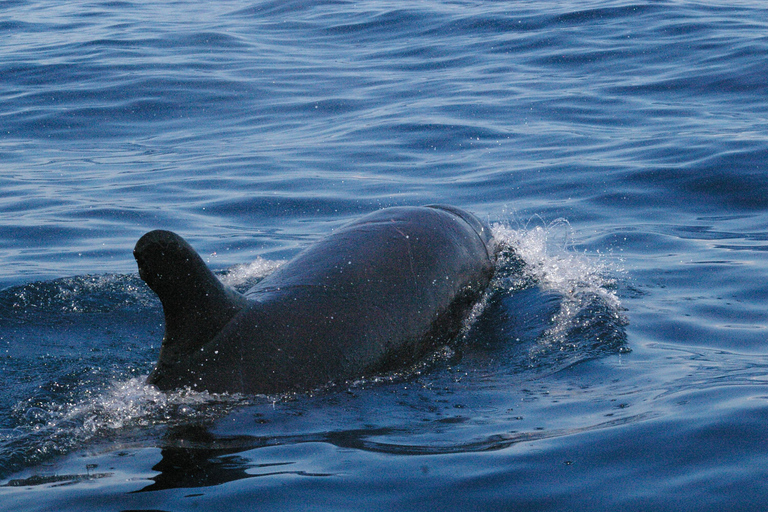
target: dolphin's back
376 294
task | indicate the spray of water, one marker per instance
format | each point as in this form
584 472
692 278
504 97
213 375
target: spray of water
589 304
245 276
127 411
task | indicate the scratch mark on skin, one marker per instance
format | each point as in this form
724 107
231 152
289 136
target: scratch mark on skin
410 254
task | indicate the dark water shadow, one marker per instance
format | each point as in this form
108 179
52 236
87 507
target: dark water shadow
194 458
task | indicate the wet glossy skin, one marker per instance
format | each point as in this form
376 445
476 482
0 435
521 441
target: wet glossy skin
377 294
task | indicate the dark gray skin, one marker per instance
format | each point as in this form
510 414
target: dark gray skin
376 295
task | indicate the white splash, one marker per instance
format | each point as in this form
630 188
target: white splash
551 262
123 407
240 275
550 259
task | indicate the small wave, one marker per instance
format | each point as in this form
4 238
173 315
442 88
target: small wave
79 294
128 411
576 306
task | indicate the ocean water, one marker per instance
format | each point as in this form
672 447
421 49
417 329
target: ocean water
620 150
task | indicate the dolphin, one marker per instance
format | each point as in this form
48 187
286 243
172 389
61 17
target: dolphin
375 295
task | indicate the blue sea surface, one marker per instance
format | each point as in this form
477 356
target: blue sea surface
619 149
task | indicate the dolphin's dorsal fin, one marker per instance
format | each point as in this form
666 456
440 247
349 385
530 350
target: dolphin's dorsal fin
196 304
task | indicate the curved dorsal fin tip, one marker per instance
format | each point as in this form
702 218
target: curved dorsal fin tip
196 304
